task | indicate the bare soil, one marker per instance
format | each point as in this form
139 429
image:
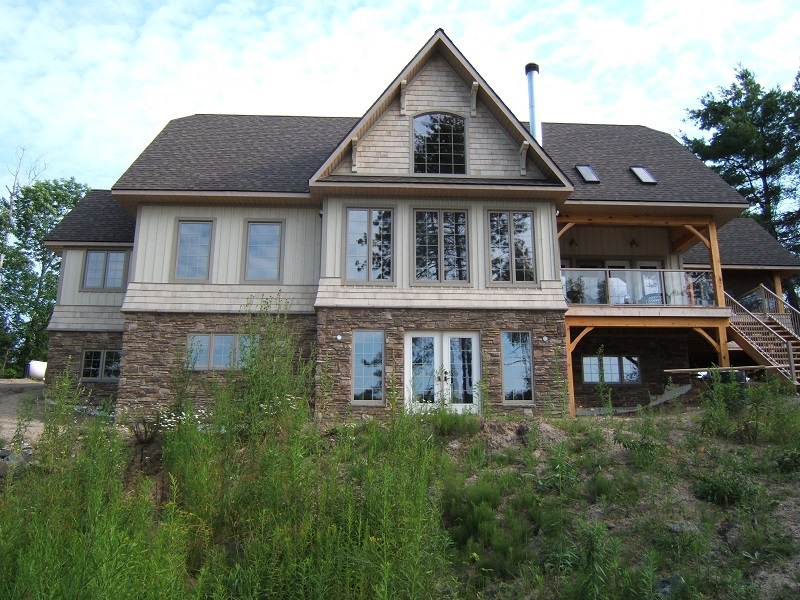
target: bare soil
21 397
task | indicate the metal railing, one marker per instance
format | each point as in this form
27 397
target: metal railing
763 300
772 345
638 287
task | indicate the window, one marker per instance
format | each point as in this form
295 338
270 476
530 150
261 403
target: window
104 269
369 245
263 251
216 351
644 175
194 250
612 369
368 366
439 144
511 247
588 173
101 364
517 366
441 245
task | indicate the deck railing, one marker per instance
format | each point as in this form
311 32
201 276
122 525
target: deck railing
763 301
638 286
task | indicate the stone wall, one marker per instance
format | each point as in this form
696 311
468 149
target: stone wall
155 346
65 353
657 349
334 357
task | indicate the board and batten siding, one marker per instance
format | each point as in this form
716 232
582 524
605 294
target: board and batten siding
404 291
614 243
386 148
152 285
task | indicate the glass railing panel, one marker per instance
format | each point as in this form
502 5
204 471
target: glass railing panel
584 286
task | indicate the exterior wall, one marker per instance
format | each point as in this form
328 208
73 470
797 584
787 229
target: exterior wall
151 285
657 349
334 357
65 353
604 243
155 345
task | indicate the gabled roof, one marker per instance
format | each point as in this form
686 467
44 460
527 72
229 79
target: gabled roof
744 243
96 219
235 153
440 44
611 150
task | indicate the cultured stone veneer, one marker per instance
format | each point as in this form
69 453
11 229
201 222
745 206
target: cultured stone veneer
155 346
65 352
334 356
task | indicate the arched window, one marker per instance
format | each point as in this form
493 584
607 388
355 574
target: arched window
439 144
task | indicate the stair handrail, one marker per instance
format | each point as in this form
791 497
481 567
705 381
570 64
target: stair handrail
794 314
737 310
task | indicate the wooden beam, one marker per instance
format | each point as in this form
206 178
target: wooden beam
608 321
696 233
708 338
716 266
681 240
606 219
724 355
565 228
579 338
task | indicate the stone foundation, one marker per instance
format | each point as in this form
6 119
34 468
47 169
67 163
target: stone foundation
65 353
657 349
334 357
155 348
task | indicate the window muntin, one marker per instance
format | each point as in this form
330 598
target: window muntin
101 364
441 246
612 369
368 366
217 351
369 245
439 144
104 269
194 250
263 251
511 247
517 366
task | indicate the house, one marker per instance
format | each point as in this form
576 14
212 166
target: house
431 249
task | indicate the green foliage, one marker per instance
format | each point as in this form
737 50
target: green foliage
723 486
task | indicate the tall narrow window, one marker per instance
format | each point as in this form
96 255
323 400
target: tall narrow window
368 366
263 251
441 246
104 269
194 250
369 245
439 144
511 247
517 367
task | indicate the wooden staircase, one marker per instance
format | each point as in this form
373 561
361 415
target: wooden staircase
768 334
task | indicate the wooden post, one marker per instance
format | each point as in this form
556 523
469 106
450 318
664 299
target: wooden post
716 267
724 355
570 379
778 286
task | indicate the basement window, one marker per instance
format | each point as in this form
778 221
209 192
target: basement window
588 173
644 175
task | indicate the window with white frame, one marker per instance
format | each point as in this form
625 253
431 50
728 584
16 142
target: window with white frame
368 366
194 250
441 245
611 369
263 261
369 245
511 247
517 366
440 144
104 269
217 351
101 365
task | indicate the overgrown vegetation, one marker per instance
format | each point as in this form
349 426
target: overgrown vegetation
248 498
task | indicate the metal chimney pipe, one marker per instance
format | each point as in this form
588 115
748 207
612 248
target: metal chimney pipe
530 69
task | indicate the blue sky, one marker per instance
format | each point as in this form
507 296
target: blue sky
86 84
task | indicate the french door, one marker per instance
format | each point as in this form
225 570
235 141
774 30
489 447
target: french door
442 370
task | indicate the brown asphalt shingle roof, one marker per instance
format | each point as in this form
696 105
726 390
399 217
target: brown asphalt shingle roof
251 153
97 218
611 150
744 243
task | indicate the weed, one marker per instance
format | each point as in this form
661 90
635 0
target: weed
724 487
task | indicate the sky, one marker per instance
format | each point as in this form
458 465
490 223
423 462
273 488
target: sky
85 85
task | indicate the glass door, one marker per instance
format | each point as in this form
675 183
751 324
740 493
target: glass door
442 369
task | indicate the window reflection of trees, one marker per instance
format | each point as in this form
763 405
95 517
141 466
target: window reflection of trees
441 246
369 245
439 144
511 239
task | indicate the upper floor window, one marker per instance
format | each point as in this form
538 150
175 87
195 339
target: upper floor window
439 144
441 245
104 269
263 251
194 250
369 245
511 246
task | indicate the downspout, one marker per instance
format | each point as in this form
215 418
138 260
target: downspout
530 69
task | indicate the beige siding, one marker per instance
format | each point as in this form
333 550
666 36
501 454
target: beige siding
604 243
86 318
70 284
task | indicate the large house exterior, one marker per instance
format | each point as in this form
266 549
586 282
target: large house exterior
431 251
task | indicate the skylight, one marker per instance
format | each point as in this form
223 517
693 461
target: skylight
644 175
588 173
